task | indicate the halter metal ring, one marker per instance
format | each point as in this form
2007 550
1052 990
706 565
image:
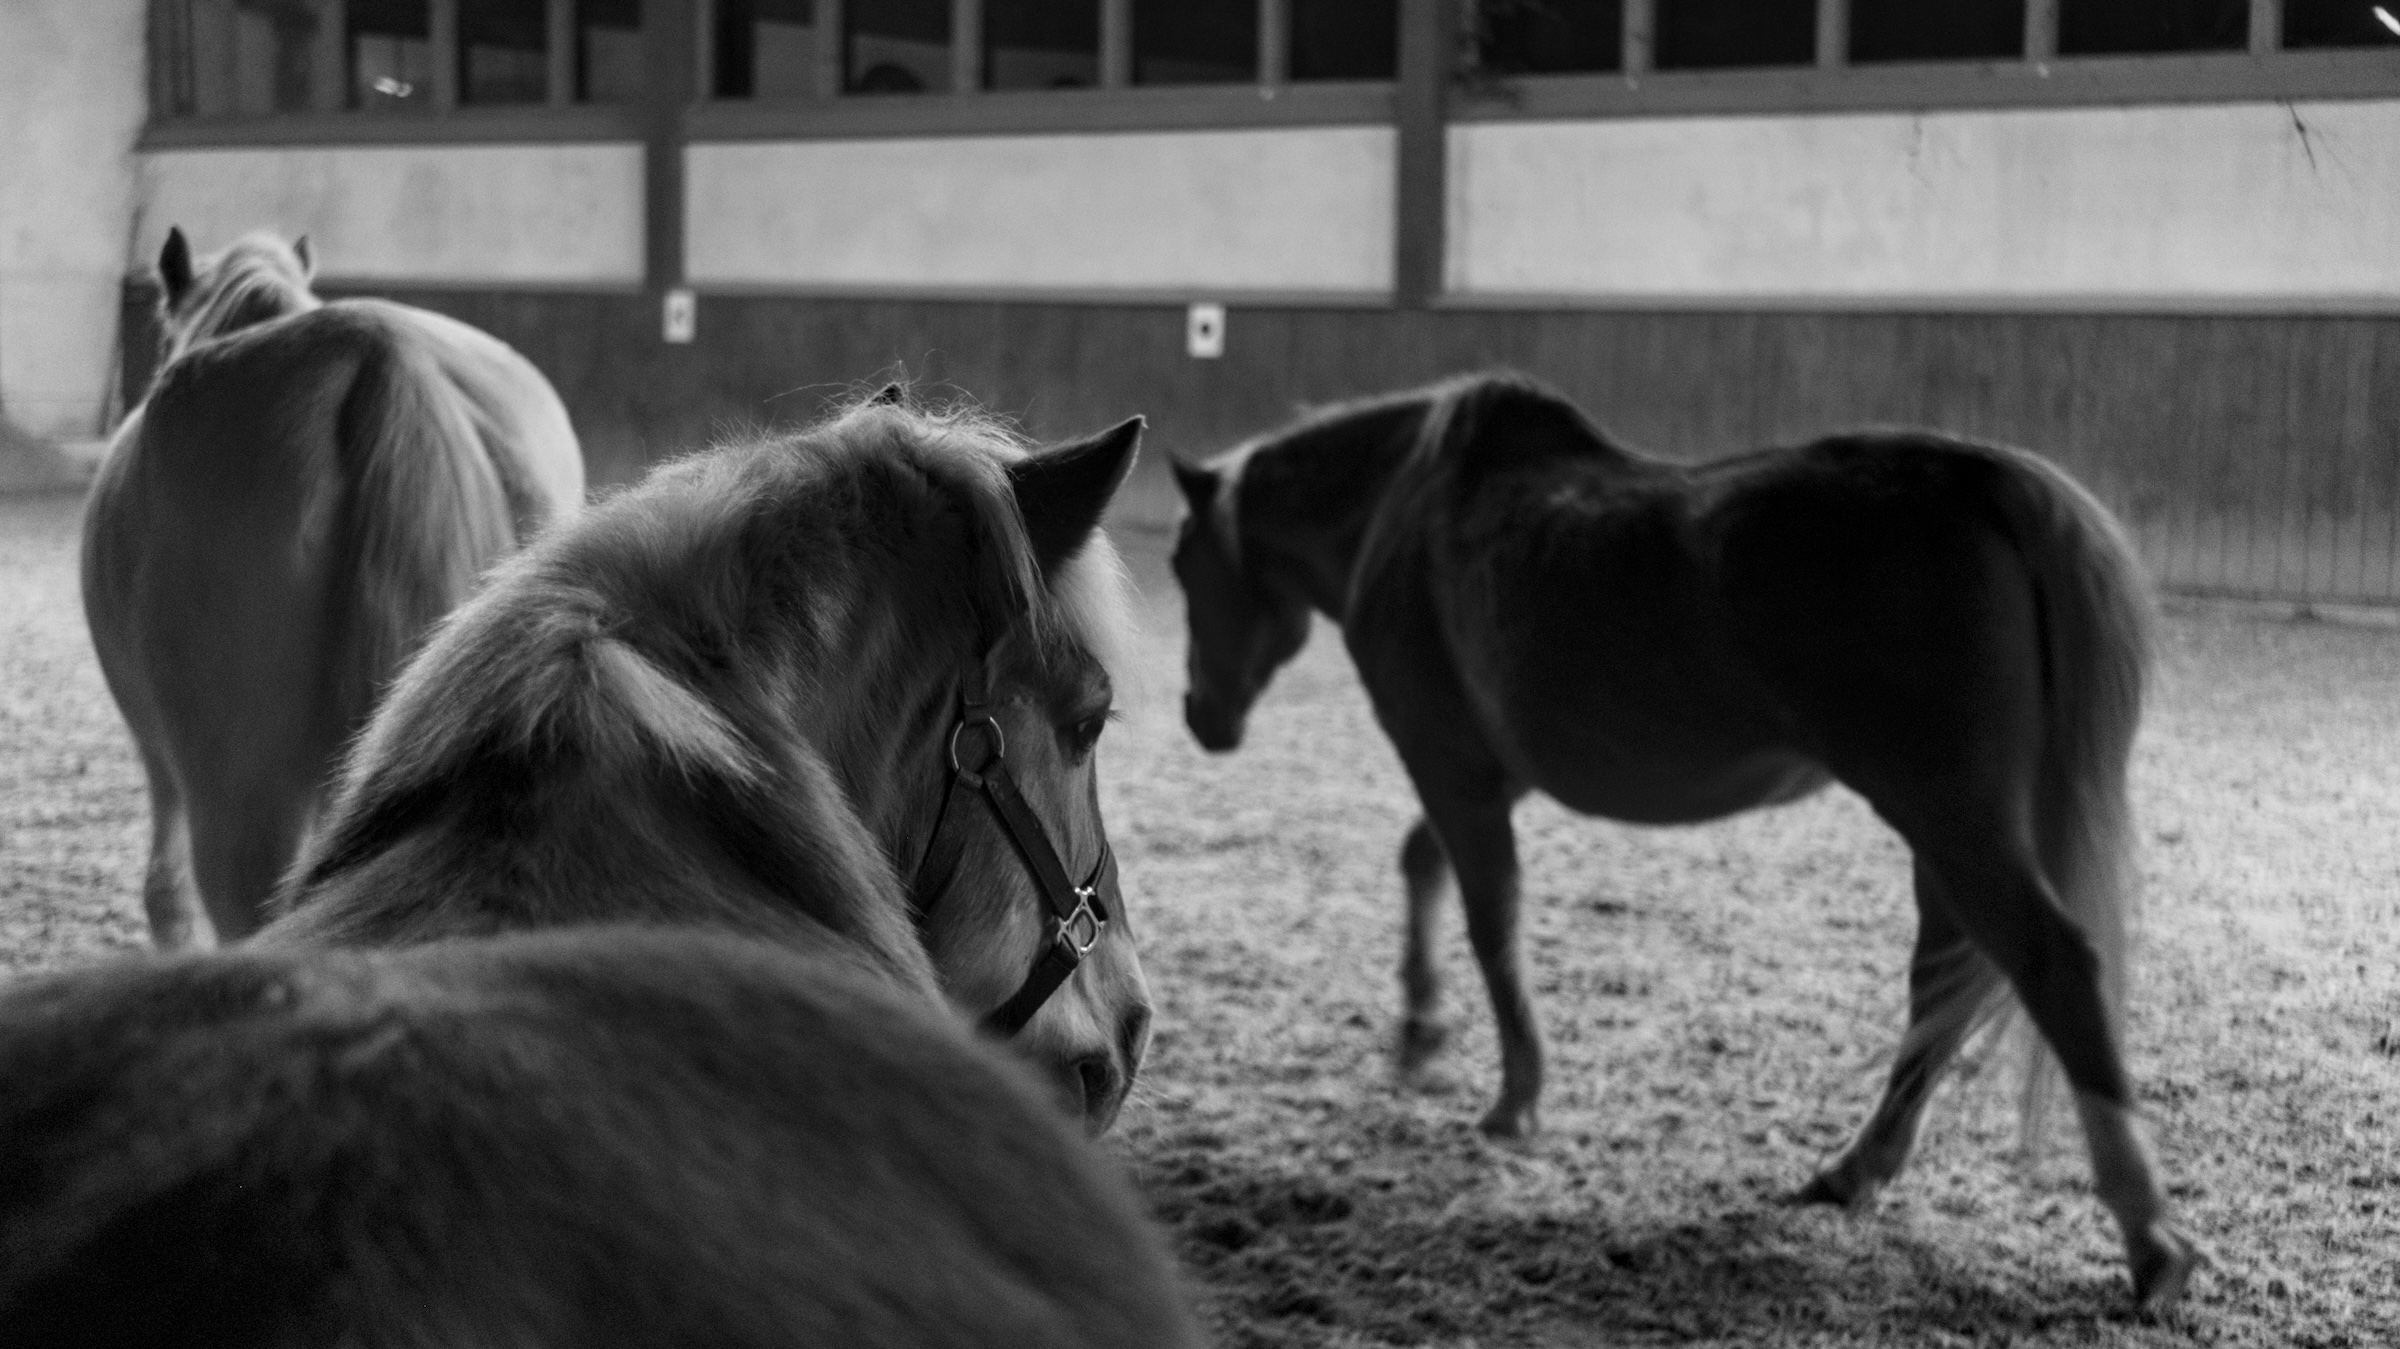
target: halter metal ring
999 746
1080 931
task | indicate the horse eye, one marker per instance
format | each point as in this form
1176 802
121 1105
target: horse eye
1086 733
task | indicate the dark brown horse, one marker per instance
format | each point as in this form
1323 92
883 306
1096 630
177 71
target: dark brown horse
305 490
1955 631
846 682
610 1137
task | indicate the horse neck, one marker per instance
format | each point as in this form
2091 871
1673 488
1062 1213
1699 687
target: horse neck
1303 503
240 304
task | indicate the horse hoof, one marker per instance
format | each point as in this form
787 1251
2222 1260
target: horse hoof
2163 1261
1840 1186
1422 1040
1507 1121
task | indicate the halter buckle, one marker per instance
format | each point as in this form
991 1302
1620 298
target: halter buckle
1081 930
999 747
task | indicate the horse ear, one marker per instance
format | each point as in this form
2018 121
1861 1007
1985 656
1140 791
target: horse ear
1199 484
891 393
1061 492
175 266
307 256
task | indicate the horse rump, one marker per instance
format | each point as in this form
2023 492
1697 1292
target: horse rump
610 1136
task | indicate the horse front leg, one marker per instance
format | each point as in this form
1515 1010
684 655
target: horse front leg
1426 872
1482 847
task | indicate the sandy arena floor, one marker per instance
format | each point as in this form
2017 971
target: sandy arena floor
1716 1000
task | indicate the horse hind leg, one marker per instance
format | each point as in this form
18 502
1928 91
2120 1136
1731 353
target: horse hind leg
1426 871
240 848
1949 983
169 899
2006 908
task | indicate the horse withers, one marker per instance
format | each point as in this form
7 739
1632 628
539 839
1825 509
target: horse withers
1956 631
847 681
306 488
557 1140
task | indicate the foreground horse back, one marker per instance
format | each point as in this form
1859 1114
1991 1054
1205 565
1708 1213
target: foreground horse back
609 1137
1955 631
306 489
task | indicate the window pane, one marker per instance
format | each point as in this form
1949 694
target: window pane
896 46
608 50
2101 27
1954 30
1539 37
1195 41
2341 23
503 51
244 57
766 49
1041 44
1345 39
391 55
1696 34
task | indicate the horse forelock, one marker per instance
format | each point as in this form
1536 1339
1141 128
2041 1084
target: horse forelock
256 279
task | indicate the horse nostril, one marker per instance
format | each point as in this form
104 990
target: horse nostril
1133 1040
1098 1077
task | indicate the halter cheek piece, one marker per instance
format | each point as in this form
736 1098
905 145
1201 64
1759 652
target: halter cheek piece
1077 915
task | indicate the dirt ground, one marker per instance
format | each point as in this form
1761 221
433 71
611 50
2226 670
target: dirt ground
1716 999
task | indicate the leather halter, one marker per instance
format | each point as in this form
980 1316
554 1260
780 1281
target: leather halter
1077 918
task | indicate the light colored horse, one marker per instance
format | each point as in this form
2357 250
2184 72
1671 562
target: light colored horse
306 488
1957 632
848 681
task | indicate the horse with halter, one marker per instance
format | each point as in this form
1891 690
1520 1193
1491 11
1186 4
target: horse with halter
1955 631
307 487
846 682
624 997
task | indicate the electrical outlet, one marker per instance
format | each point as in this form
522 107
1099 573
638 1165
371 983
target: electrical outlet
1204 331
682 317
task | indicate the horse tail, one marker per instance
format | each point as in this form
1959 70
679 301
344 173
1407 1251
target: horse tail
2096 620
425 513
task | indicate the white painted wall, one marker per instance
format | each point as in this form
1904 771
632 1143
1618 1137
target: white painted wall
2199 205
71 102
1232 212
541 215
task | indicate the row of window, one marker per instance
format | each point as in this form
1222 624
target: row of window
254 57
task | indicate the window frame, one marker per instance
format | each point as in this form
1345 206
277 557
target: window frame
2038 78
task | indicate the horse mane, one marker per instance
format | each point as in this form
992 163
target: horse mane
259 277
691 661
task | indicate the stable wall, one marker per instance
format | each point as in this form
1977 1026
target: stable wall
71 104
2181 207
523 215
1288 211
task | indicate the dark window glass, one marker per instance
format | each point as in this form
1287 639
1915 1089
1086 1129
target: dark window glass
896 46
1698 34
503 51
1041 44
1195 41
2105 27
245 57
1345 39
1540 37
1952 30
766 48
391 55
608 50
2341 23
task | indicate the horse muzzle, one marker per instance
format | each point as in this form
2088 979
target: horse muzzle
1216 729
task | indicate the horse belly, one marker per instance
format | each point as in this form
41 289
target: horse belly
1706 784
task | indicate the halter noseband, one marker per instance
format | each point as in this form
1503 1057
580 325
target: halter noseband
1078 917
